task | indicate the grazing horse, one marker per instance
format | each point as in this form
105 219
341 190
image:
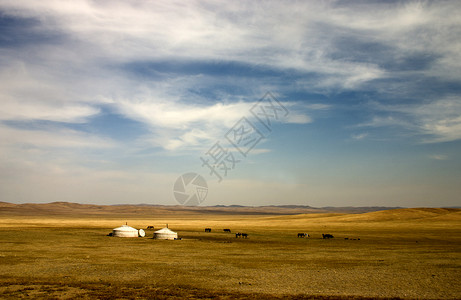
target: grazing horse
207 229
227 230
327 236
241 235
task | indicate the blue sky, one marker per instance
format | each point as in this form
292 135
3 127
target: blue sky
108 102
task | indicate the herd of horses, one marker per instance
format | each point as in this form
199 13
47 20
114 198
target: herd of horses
300 235
245 235
241 235
237 235
225 230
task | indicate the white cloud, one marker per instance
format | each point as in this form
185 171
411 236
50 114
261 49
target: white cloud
171 114
318 106
283 35
439 157
298 118
25 111
178 124
51 138
28 95
259 151
359 136
127 31
436 121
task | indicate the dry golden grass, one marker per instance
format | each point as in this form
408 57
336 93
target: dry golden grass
407 253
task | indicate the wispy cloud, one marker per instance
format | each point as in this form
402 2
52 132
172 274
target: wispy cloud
434 121
332 41
439 157
27 95
178 125
52 137
359 136
212 31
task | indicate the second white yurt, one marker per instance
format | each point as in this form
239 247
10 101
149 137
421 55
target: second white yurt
165 234
125 231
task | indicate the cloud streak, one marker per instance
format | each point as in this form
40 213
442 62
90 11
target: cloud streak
434 122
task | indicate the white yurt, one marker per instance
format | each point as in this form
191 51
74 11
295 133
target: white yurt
165 234
125 231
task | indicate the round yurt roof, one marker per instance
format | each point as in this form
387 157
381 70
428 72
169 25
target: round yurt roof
125 231
165 234
165 230
125 228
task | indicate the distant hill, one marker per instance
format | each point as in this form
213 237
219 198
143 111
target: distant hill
406 214
67 208
400 215
291 214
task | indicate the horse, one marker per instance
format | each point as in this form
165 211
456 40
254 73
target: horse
227 230
207 229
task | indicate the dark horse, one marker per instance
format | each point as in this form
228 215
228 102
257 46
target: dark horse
241 235
327 236
227 230
207 229
303 235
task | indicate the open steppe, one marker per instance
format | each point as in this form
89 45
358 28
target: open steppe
61 250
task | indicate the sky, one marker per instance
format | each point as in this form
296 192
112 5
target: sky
320 103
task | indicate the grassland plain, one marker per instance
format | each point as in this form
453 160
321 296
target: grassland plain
65 254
